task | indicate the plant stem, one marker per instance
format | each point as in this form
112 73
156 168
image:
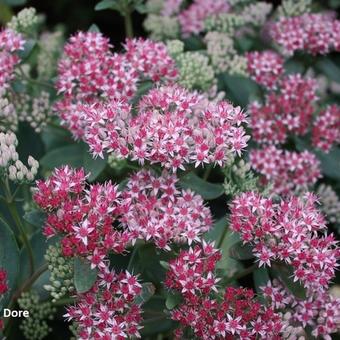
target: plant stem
132 258
207 172
243 273
34 81
26 285
64 301
29 282
15 215
128 24
221 240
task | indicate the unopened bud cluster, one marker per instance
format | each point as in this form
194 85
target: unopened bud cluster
10 165
330 203
35 327
223 55
117 164
61 269
8 115
291 8
25 21
50 44
239 178
37 111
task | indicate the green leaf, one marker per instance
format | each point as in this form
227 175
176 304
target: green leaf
329 68
9 259
148 290
193 43
217 230
35 217
84 277
238 251
94 28
227 265
164 264
208 191
15 2
293 66
106 4
75 155
330 162
39 246
240 90
28 48
285 274
172 300
261 278
54 137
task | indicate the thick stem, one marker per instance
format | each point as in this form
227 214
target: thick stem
207 172
15 215
30 281
128 24
26 285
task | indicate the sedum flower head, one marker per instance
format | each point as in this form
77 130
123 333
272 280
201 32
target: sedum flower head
61 273
50 49
192 19
90 72
224 23
172 128
10 165
256 13
156 210
25 21
209 316
108 310
265 67
223 55
330 203
292 231
326 128
195 72
291 8
288 171
311 33
161 27
10 43
36 326
320 311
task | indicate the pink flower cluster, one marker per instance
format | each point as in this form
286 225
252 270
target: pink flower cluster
319 310
288 110
326 128
108 311
287 171
156 210
3 282
291 231
10 43
265 67
83 215
90 72
237 315
150 208
192 19
171 129
314 33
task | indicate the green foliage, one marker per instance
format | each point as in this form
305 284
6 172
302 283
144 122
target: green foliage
208 191
9 259
84 277
75 155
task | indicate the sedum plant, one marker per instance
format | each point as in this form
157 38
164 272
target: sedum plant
181 186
